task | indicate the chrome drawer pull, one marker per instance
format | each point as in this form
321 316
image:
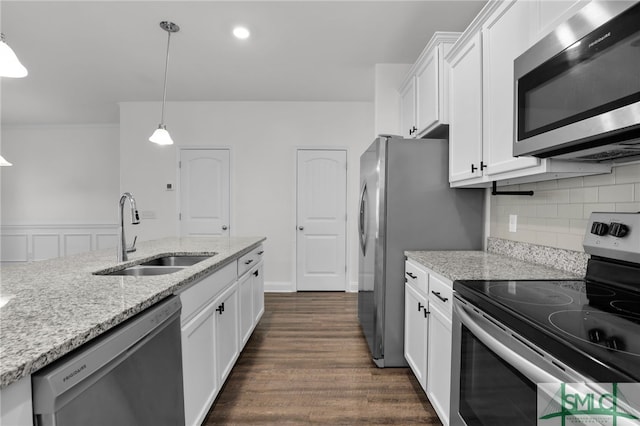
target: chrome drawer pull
413 277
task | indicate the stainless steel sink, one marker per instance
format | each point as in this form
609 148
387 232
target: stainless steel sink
142 271
159 266
186 260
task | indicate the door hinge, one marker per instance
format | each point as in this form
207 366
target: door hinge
179 216
179 164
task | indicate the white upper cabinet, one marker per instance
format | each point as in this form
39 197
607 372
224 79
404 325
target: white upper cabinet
408 108
505 35
424 95
465 129
481 138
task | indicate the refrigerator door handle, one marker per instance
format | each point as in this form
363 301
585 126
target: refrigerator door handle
363 221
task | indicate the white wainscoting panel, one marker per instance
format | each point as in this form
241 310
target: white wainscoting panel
15 247
76 243
24 243
45 246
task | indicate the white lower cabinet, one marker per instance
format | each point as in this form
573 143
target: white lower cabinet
245 290
219 313
226 334
439 365
257 286
198 365
416 323
427 336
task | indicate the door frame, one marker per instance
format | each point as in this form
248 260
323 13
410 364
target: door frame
294 207
179 183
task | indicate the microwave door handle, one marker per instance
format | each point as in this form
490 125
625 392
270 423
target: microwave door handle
526 367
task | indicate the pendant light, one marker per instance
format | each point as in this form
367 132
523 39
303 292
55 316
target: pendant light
4 162
161 135
10 66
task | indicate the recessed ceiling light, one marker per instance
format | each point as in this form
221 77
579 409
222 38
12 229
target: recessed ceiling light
241 32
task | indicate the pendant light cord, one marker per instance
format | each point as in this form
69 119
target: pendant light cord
166 70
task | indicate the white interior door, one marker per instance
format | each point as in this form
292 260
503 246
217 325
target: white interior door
204 192
321 220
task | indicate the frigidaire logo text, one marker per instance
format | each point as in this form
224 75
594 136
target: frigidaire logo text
593 43
74 372
593 407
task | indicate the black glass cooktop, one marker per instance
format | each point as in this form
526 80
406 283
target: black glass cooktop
594 328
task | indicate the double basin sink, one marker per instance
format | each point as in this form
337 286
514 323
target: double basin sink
159 266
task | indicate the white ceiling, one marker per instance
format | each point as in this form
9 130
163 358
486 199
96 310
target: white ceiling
84 57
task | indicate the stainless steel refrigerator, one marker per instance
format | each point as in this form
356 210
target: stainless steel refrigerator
405 204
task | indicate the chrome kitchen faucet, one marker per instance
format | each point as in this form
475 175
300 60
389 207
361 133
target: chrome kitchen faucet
135 220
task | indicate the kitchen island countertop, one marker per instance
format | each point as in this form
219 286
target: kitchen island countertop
481 265
51 307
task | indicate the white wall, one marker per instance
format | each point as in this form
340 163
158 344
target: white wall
61 175
263 137
556 215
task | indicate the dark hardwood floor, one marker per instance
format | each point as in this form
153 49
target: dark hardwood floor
308 363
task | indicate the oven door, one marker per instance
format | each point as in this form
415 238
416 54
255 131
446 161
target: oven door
495 372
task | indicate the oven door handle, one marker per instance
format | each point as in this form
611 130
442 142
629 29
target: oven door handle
526 367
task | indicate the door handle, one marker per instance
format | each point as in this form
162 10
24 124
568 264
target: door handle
362 222
224 227
301 228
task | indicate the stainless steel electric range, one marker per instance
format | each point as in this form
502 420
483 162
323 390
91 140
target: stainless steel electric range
510 336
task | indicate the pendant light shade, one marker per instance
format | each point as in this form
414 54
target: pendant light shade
10 66
161 135
4 162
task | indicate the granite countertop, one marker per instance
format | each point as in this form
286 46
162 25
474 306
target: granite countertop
53 306
480 265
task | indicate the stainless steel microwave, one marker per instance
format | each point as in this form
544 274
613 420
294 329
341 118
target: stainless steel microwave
577 91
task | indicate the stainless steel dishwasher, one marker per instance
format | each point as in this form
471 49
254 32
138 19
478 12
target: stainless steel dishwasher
130 376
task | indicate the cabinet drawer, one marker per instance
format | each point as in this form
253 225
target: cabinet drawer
250 259
202 292
416 276
440 294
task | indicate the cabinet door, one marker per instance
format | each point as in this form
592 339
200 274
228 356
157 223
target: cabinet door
245 289
408 127
506 35
415 333
226 331
465 119
439 355
258 293
427 92
198 365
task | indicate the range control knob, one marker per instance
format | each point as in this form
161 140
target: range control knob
599 228
618 229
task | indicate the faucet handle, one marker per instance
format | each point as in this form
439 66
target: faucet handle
132 247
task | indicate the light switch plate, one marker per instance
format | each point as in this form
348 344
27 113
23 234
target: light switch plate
513 222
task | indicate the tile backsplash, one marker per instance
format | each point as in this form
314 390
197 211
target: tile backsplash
556 215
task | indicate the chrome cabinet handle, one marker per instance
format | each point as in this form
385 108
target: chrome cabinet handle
224 227
437 294
248 262
301 228
413 277
260 253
